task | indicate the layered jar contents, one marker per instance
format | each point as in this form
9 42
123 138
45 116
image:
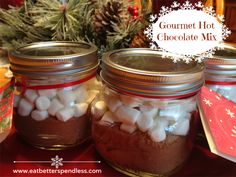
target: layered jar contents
149 135
56 83
142 125
55 117
221 72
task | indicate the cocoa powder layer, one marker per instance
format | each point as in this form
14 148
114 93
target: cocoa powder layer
138 152
51 132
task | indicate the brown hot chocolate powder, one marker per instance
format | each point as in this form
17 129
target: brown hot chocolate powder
138 152
51 132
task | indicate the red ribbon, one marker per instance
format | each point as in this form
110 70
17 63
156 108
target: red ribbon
220 83
68 84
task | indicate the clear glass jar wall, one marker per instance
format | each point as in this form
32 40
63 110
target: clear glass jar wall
145 117
56 83
144 135
220 73
55 118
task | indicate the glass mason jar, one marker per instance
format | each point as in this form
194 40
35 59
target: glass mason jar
55 84
220 72
144 119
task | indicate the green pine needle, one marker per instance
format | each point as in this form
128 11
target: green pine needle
45 20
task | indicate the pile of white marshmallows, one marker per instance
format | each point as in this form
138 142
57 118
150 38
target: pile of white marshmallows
228 91
64 103
156 117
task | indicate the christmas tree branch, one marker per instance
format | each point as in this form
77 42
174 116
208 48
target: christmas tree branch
106 23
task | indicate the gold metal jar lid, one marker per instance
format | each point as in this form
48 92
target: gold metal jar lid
53 58
222 66
143 71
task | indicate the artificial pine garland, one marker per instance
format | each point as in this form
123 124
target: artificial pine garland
106 23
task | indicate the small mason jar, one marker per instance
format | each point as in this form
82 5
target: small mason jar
55 84
220 73
143 121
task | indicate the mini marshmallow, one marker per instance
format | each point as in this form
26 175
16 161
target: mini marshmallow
158 134
113 103
173 112
149 111
171 127
91 95
107 118
182 128
130 101
192 106
16 100
99 108
42 103
31 95
159 122
24 107
55 106
65 114
144 122
80 109
171 120
50 93
66 97
128 128
81 94
39 115
127 115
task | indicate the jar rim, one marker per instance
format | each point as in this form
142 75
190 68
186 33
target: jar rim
53 58
222 65
154 76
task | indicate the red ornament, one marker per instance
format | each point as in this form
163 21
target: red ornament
130 9
133 10
5 3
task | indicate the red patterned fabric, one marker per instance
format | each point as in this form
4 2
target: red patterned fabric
219 115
